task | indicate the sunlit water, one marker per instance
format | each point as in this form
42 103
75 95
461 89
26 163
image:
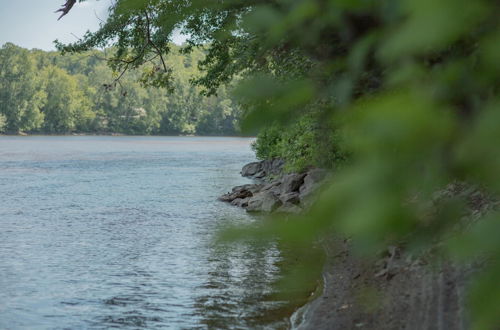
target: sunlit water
117 232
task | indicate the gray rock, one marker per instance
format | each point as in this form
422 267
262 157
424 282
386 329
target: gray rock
278 164
264 201
292 182
240 192
273 187
251 169
273 166
312 183
290 198
236 201
240 202
262 169
252 187
308 189
267 166
260 175
315 175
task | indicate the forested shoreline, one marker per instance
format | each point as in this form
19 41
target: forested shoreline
46 93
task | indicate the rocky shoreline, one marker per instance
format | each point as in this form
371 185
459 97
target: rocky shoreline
274 190
395 291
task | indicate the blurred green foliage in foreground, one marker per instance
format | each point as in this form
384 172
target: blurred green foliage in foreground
408 88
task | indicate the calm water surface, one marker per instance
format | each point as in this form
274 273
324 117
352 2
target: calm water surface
117 232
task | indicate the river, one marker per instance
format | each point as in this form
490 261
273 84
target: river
118 232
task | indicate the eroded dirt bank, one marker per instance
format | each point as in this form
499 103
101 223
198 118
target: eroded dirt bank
393 293
397 290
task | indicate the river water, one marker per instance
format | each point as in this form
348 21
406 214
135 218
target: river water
118 232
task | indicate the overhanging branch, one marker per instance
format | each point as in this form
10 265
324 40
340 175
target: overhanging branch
65 8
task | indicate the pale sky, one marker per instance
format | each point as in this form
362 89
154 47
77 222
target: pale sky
33 23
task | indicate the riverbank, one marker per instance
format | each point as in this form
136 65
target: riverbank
396 290
274 190
399 289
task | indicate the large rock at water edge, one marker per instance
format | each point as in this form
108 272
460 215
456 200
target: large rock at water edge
262 169
312 181
292 182
252 187
251 169
241 192
264 201
273 187
272 166
290 198
240 202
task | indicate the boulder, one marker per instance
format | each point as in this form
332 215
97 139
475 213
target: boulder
240 202
264 201
273 187
260 175
267 166
312 181
229 197
251 169
272 166
290 198
292 182
278 165
262 169
252 187
241 192
315 175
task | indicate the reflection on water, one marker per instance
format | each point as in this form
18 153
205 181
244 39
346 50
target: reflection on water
117 232
235 284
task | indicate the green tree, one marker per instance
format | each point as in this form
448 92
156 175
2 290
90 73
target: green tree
220 115
3 122
88 96
66 108
21 90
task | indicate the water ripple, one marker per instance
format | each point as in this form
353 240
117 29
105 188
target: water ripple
117 232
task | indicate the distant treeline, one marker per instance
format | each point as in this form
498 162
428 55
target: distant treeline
44 92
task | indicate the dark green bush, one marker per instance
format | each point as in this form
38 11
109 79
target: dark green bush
301 144
268 142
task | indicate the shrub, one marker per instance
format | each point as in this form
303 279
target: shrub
304 143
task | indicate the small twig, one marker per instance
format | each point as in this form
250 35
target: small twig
148 35
152 58
97 16
74 35
121 74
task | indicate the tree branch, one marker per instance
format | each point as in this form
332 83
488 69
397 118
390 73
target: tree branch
150 41
65 8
